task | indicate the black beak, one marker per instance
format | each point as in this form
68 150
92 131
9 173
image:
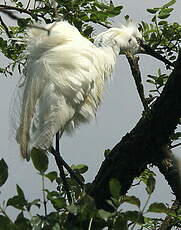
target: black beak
144 48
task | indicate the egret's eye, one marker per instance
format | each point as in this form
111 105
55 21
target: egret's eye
129 40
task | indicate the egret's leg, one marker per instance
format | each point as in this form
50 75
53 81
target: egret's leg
60 166
60 161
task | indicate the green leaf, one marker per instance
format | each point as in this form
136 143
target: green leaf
154 19
134 216
176 136
115 188
150 185
3 172
163 15
131 200
87 32
153 11
36 222
172 2
57 201
150 81
17 202
3 43
52 176
104 214
163 23
80 168
56 227
20 192
167 10
158 208
35 202
22 223
146 175
117 10
72 209
40 160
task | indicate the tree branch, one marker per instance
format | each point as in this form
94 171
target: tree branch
169 168
8 10
133 61
5 28
20 10
143 144
167 164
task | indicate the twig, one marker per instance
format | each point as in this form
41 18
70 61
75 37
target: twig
102 24
21 10
155 54
90 224
5 28
62 173
5 214
40 28
44 198
142 211
133 61
9 13
28 4
174 146
8 10
138 183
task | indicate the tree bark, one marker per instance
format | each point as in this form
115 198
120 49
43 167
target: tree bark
144 145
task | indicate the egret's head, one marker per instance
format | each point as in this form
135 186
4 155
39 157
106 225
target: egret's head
121 39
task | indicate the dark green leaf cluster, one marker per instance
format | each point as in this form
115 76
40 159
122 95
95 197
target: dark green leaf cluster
158 81
160 34
82 213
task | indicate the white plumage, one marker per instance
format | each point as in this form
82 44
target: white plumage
64 79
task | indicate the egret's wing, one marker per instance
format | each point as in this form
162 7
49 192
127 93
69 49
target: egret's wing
57 81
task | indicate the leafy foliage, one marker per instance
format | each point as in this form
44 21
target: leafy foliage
62 215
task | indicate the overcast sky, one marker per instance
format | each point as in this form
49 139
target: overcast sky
119 113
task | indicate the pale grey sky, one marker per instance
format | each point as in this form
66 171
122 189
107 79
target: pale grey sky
120 111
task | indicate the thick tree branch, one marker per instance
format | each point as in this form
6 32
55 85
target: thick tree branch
167 163
143 144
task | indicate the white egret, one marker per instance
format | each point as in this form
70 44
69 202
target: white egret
64 79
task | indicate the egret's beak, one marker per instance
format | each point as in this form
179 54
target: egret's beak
146 49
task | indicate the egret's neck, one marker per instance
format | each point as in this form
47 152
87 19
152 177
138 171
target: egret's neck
106 58
109 47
